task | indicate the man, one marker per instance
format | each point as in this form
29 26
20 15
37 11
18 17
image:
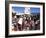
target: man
20 23
14 22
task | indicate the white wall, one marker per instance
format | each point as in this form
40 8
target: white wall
2 19
30 0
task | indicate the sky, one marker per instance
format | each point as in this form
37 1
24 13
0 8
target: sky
21 9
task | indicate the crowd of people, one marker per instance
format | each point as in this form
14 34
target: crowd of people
24 23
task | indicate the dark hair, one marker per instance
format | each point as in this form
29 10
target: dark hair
13 14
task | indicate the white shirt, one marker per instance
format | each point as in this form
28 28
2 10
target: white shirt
20 21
